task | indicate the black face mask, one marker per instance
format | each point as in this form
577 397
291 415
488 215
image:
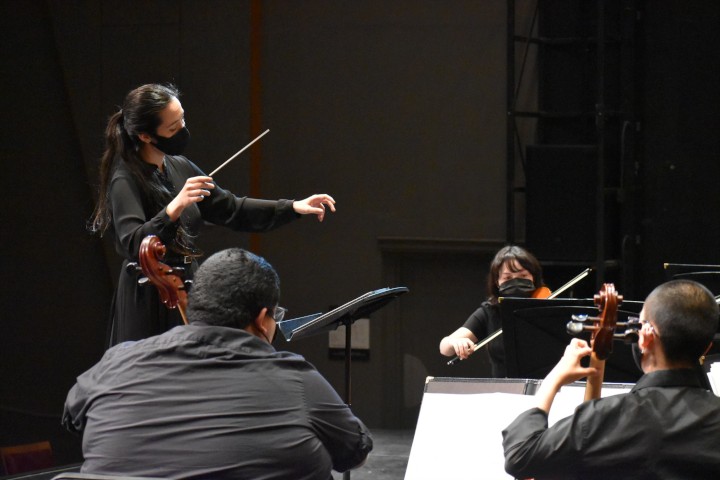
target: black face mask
517 287
174 145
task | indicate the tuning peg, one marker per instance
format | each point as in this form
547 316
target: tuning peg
133 267
577 324
574 328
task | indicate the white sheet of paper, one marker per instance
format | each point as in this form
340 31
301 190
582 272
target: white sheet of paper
714 377
570 396
461 435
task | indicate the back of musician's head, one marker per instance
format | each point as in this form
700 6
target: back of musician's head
231 287
512 255
686 316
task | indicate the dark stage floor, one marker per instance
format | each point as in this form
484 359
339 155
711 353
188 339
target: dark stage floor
389 458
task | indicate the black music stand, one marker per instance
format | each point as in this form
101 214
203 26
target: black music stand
346 314
535 336
708 275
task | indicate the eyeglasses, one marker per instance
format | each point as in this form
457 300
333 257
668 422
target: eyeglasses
645 322
279 313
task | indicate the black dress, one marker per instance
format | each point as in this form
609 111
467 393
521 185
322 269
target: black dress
137 311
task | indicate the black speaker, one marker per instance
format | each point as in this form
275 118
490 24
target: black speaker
562 207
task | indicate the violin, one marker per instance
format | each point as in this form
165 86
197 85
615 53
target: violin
544 292
168 280
541 292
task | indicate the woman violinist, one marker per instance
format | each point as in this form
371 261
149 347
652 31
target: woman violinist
514 272
147 187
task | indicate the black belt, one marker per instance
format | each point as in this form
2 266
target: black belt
187 259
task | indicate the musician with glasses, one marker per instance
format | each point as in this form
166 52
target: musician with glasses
214 399
666 427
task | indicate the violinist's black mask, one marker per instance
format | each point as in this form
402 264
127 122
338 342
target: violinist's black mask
174 145
517 287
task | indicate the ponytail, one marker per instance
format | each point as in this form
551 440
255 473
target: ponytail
140 114
116 140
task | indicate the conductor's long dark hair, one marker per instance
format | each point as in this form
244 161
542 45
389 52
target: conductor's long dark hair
140 113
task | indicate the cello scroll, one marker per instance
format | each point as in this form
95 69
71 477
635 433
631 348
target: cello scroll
167 280
602 330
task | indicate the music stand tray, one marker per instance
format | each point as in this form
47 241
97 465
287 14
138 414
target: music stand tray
708 275
360 307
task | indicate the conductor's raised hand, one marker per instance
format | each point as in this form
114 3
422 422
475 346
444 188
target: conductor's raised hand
315 205
195 190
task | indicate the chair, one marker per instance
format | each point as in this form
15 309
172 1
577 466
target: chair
95 476
26 458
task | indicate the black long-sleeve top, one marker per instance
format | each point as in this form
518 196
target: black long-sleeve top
212 402
666 428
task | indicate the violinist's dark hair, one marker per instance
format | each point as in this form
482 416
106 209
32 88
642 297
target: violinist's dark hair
512 254
685 314
230 289
140 113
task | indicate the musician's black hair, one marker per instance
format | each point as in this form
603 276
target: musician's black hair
685 316
139 114
230 289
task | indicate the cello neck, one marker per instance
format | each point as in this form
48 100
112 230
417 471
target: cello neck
593 387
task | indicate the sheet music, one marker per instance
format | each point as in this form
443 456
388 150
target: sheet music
570 396
714 377
460 435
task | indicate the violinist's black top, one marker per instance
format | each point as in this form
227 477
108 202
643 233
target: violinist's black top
664 428
483 322
137 311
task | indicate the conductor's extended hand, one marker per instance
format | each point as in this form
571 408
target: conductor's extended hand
315 205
